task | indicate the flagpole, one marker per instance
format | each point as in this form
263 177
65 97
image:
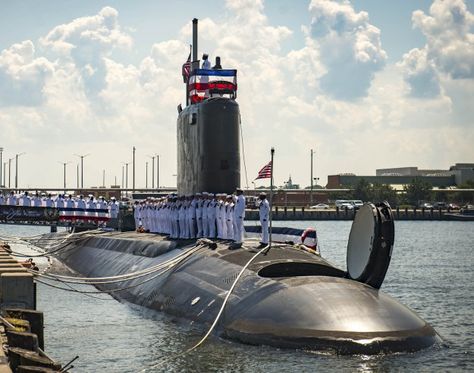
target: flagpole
272 151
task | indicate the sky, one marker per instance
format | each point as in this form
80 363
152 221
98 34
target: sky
366 84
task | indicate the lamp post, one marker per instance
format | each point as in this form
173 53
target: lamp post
311 192
103 178
152 171
16 169
1 164
133 171
4 173
157 171
82 167
77 175
146 175
64 173
126 174
10 171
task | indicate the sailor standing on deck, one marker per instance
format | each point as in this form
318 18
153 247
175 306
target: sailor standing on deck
229 218
191 216
205 221
25 200
211 216
264 212
36 201
113 208
239 215
12 199
198 200
48 202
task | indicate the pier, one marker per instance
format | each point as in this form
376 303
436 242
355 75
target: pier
21 325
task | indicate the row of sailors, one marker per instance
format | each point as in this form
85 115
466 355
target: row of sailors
63 201
202 215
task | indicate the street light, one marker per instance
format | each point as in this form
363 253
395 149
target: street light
152 171
157 171
312 178
1 164
10 171
133 175
146 175
126 174
82 167
16 169
64 173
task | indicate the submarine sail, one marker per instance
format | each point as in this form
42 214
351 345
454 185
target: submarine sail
208 130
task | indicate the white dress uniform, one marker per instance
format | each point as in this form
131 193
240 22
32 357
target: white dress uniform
239 215
91 213
229 220
113 209
25 201
211 218
80 204
48 202
12 200
136 214
36 201
101 205
199 203
264 212
205 222
192 219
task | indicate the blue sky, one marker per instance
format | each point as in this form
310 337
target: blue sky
367 83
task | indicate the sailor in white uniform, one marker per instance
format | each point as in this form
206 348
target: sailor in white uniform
199 200
264 213
239 215
36 201
211 216
11 199
205 221
25 200
229 218
81 205
191 217
113 208
48 202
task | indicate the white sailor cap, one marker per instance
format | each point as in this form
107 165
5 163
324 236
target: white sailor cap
205 193
229 196
198 194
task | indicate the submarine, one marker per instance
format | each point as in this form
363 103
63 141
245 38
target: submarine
287 295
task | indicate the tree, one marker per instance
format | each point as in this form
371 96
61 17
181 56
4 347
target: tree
384 192
417 191
362 190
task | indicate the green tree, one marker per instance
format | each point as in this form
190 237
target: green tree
362 190
417 191
465 197
384 192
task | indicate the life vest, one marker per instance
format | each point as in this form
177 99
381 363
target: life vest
309 238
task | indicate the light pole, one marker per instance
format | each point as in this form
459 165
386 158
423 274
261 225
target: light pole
133 171
10 171
152 171
157 171
103 178
82 167
311 192
4 173
126 174
1 164
64 173
16 169
123 177
77 175
146 175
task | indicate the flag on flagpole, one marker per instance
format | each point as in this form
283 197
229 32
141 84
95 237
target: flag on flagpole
186 69
265 172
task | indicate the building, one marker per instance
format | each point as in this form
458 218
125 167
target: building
399 176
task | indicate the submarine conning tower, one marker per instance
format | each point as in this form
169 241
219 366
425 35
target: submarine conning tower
208 128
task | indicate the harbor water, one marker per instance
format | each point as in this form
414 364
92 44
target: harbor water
431 272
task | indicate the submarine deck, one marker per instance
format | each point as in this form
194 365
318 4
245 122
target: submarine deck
281 260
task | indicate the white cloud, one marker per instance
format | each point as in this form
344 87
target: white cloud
449 49
22 76
349 48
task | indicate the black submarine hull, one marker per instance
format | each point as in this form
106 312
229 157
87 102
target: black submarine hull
310 305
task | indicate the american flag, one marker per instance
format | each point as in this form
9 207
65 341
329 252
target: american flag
186 69
265 172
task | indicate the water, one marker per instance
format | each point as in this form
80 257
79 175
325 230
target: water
431 272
